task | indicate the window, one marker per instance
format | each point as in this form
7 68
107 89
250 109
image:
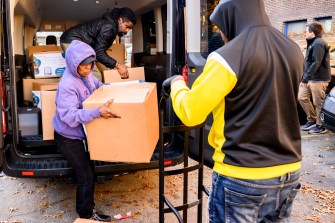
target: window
41 37
127 40
295 29
149 33
210 35
326 22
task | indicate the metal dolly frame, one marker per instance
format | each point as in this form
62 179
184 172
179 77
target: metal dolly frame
185 170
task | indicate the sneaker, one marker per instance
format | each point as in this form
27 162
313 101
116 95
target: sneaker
308 126
100 217
318 129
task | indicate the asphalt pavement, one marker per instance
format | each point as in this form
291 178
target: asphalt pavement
47 200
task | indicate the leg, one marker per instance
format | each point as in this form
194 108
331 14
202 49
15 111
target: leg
237 200
74 152
318 94
304 97
285 198
97 73
233 200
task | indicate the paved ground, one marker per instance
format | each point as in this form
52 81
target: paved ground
52 200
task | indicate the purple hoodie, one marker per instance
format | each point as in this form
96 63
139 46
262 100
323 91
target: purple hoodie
72 91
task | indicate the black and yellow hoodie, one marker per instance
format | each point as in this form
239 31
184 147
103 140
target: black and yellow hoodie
250 86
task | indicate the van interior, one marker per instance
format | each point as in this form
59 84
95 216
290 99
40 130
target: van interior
40 23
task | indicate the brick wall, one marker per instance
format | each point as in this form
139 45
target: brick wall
281 11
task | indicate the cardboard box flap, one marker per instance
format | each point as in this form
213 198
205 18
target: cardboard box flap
112 76
119 94
37 49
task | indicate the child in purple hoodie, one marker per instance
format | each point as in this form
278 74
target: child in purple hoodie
77 84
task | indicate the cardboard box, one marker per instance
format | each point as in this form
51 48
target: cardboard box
117 52
48 64
28 86
48 110
39 49
44 86
134 136
82 220
112 76
52 26
45 100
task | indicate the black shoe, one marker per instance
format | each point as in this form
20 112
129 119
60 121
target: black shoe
308 126
318 129
100 217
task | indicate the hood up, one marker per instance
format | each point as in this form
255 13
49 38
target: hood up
232 19
75 54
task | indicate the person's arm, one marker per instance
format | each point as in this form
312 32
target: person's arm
102 41
70 109
317 57
192 106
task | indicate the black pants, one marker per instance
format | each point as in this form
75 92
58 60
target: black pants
74 151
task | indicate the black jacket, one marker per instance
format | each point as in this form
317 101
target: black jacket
317 62
99 34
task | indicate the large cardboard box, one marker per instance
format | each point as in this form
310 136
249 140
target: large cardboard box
112 76
28 86
47 64
134 136
46 102
117 52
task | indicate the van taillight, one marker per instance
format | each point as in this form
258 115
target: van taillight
27 173
184 74
167 162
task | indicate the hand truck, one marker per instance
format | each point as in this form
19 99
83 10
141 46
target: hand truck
184 170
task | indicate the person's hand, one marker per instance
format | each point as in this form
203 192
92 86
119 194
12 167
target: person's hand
123 71
166 86
303 84
106 112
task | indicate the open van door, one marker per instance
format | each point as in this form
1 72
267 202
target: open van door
202 30
6 62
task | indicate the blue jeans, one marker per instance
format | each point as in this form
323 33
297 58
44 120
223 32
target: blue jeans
234 200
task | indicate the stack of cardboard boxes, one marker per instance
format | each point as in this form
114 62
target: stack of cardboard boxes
46 66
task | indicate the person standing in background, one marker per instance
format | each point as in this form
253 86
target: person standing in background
315 79
250 85
100 35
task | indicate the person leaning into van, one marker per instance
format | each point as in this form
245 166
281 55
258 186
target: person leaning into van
77 84
100 35
250 85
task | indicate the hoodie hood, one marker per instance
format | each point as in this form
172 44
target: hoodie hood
75 54
232 19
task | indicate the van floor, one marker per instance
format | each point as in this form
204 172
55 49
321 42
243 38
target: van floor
34 145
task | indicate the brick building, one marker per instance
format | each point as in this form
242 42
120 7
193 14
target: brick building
291 16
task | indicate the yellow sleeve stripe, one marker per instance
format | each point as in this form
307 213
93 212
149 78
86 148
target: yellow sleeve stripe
208 91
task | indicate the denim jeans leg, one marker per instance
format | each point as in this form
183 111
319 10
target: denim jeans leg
236 200
74 152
